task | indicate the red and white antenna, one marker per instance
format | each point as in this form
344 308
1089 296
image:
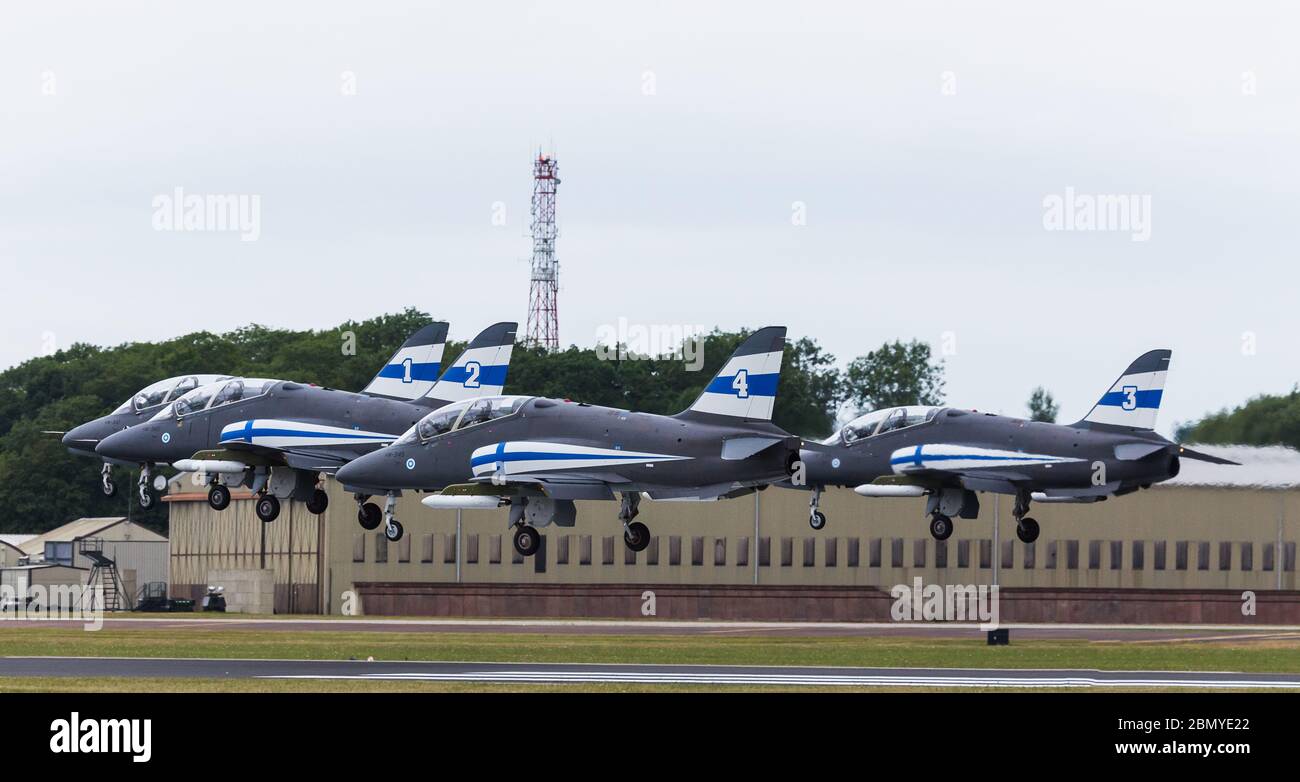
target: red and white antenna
543 305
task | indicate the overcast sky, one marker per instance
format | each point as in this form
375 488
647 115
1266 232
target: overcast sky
858 174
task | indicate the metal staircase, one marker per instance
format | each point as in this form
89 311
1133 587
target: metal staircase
104 580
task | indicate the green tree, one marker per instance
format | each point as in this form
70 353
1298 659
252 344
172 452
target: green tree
1042 407
896 373
1264 420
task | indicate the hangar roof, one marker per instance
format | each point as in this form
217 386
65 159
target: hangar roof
85 528
1261 467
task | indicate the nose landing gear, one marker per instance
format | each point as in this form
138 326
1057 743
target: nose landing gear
145 494
106 480
816 519
392 527
635 534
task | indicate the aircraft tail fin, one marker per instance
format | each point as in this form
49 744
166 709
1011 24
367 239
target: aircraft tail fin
745 387
1133 400
413 369
480 370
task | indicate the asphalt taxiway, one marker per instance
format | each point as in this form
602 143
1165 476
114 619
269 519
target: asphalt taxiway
585 673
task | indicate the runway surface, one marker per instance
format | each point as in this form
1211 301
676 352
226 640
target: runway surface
584 673
651 626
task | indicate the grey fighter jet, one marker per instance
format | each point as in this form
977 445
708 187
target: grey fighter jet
143 405
949 454
215 430
538 455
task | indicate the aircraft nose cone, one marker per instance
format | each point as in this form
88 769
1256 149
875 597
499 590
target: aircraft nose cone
374 470
131 445
82 438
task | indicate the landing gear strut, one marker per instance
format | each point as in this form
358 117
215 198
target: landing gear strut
635 534
1026 528
816 519
146 496
392 527
106 480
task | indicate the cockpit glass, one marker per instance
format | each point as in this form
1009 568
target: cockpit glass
890 419
191 402
240 389
469 412
151 396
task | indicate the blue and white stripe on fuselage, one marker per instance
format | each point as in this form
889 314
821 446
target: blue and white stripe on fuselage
518 457
281 434
744 388
478 372
956 458
410 373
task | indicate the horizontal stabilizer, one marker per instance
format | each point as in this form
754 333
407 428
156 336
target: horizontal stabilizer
1204 457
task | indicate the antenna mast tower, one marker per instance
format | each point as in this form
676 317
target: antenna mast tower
543 308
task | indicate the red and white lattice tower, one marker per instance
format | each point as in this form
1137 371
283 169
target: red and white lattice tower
543 307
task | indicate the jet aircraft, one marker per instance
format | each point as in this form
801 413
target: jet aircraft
142 406
947 454
539 455
307 430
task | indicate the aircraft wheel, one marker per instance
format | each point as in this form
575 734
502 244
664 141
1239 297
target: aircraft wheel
1027 530
527 540
267 508
108 487
318 503
817 520
369 515
218 496
146 497
393 530
637 536
940 526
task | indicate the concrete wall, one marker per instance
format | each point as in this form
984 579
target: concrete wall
247 591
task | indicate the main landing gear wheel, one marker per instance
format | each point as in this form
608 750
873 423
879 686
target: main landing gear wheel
106 481
527 540
369 515
267 508
940 526
1027 530
318 502
637 536
218 496
817 520
393 530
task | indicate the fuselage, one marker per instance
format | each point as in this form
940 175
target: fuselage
1033 455
306 414
567 441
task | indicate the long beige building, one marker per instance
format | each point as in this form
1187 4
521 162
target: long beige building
1211 528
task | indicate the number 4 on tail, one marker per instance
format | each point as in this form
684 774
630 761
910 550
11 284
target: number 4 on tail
741 384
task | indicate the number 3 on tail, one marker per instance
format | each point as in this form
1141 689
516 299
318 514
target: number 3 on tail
472 368
741 384
1130 398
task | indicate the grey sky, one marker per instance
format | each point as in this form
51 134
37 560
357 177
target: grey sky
924 209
